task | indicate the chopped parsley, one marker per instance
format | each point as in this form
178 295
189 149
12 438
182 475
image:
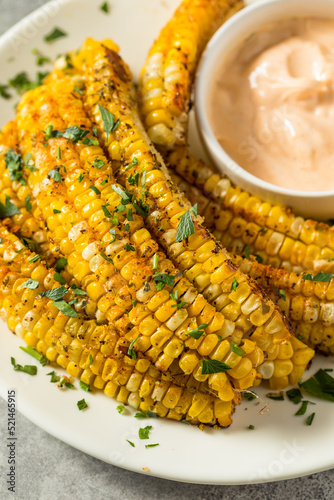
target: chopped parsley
21 82
234 285
163 279
14 164
320 385
58 153
96 191
133 179
54 35
84 387
151 445
322 277
31 284
4 92
198 332
129 248
108 259
65 308
143 432
61 264
35 354
108 120
275 396
40 58
237 350
59 277
294 395
54 378
146 414
98 163
76 88
120 408
27 164
247 252
213 366
303 408
249 395
186 226
251 427
129 215
79 179
132 164
56 293
105 7
75 133
258 258
65 381
131 351
77 290
90 142
55 211
35 258
30 369
131 443
281 293
310 419
82 404
28 204
90 359
54 174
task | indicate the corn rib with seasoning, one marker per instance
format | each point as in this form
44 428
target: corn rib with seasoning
94 353
161 321
166 79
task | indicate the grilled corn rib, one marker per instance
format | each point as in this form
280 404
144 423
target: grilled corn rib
93 352
18 192
239 219
166 79
108 85
162 330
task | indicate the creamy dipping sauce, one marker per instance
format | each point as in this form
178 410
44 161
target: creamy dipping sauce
272 104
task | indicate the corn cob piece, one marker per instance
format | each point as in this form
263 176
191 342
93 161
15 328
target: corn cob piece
13 186
94 352
166 79
238 219
163 330
209 268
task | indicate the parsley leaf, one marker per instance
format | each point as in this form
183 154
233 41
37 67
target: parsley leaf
131 443
3 92
105 7
303 408
75 133
34 354
295 396
120 408
213 366
322 277
59 277
151 445
28 204
108 120
65 308
61 264
164 279
310 419
14 164
96 191
143 432
55 293
84 387
237 350
198 332
131 351
54 174
275 396
30 369
234 285
320 385
186 226
54 35
82 404
31 284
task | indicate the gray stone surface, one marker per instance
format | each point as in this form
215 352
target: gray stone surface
51 470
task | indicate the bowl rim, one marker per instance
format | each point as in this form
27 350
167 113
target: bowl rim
200 92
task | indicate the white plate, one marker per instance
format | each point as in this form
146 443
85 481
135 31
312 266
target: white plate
280 447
